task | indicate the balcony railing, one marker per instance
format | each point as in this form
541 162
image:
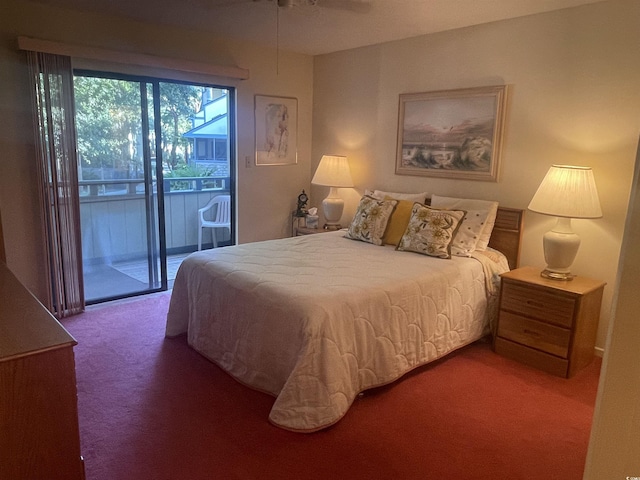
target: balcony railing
90 189
113 212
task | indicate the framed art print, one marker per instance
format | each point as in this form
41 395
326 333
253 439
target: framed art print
451 134
276 126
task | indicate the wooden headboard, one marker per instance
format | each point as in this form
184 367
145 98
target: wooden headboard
507 234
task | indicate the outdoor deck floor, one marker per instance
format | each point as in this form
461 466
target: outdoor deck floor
119 279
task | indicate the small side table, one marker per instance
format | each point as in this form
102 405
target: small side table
299 226
298 231
548 324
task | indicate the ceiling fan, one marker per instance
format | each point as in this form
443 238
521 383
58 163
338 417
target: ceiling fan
303 7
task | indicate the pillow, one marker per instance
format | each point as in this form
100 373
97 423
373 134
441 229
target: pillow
468 235
412 197
370 221
398 222
490 207
430 231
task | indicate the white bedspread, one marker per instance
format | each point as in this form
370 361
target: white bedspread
316 319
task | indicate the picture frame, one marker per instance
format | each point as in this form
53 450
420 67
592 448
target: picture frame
276 130
452 133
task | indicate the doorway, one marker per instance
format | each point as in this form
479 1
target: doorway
151 152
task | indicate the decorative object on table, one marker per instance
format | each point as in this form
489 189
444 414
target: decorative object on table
276 128
301 210
312 218
566 192
333 171
452 134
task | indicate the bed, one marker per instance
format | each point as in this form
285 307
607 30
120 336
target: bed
316 329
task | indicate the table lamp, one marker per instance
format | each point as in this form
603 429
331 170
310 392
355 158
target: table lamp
566 192
333 171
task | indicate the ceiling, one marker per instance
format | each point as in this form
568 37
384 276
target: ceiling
319 26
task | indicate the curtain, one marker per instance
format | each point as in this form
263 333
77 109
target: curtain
57 170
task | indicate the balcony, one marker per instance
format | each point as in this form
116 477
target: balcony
115 244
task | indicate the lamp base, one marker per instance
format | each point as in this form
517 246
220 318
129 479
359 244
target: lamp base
332 207
560 246
556 275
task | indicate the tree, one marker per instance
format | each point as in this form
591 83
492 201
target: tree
109 123
177 104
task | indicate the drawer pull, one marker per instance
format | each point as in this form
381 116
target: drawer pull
533 303
531 332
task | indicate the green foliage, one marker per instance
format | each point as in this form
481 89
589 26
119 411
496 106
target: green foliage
109 122
190 171
177 103
187 171
107 117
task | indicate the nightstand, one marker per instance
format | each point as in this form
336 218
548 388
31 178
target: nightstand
298 227
297 231
548 324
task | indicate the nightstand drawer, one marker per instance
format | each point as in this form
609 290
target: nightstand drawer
543 361
544 305
538 335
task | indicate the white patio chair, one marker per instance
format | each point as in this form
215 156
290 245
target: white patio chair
221 217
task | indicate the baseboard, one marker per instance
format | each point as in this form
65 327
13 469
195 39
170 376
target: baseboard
599 352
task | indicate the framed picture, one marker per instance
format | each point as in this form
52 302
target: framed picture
276 124
451 134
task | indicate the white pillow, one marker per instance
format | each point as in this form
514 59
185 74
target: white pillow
480 219
412 197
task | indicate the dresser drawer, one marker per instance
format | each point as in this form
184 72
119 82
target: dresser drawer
541 336
540 304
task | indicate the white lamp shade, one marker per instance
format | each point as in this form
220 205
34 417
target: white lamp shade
567 191
333 171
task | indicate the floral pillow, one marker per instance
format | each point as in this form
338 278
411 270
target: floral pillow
370 221
430 231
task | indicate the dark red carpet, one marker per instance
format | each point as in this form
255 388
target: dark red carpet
152 408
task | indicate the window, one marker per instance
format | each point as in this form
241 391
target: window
149 158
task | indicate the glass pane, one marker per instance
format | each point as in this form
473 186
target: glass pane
116 205
196 167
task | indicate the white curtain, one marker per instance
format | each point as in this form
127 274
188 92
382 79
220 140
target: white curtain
57 162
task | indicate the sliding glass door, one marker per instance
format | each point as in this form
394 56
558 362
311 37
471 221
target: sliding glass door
151 153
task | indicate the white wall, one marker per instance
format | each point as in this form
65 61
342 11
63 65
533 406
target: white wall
614 449
267 194
574 79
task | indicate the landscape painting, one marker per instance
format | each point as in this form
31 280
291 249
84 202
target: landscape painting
452 134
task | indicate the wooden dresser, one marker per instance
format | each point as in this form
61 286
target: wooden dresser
39 436
548 324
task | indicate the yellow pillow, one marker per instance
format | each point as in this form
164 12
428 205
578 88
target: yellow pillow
398 222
